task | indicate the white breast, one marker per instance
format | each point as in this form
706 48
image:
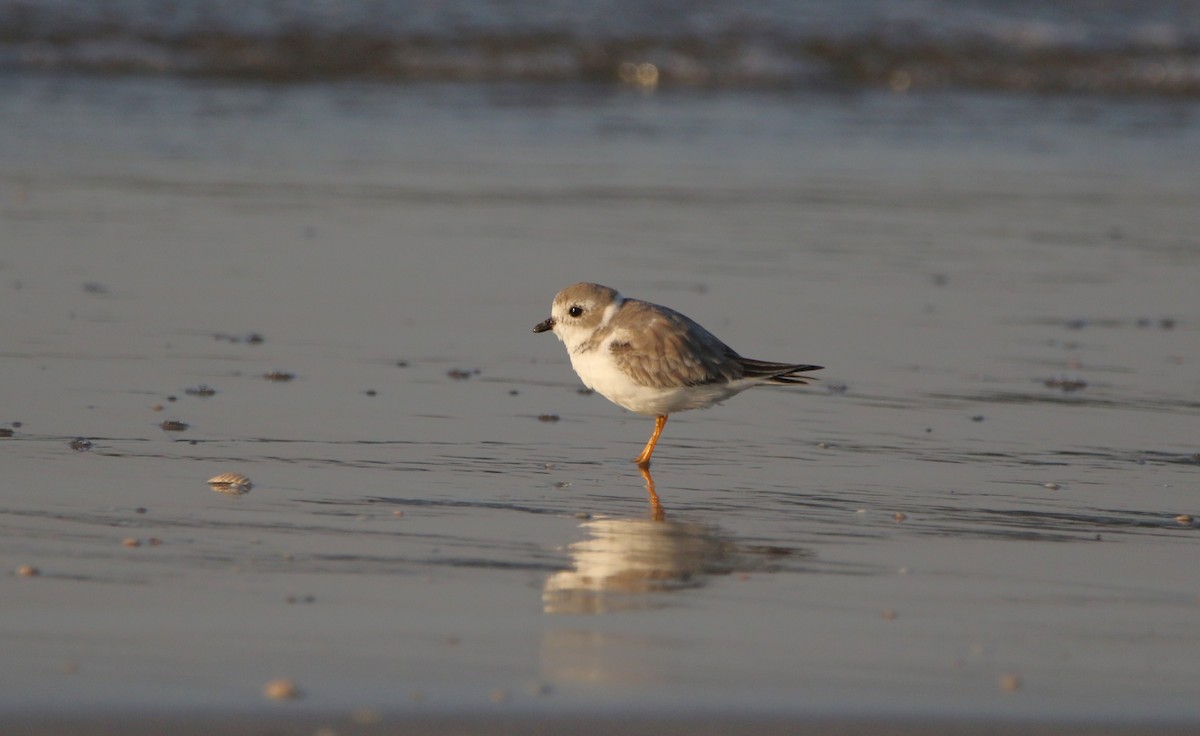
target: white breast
599 372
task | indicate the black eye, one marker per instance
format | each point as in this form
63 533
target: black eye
575 311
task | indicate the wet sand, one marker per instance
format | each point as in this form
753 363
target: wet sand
982 514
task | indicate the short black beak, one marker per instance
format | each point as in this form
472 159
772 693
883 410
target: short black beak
544 325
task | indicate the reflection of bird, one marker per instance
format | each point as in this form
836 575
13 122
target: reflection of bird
650 359
623 562
624 559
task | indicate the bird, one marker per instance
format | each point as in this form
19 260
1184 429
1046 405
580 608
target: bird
652 360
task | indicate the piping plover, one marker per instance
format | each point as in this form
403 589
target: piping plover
650 359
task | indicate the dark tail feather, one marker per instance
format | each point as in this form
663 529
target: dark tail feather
779 373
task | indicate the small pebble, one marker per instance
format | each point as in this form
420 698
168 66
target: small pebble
172 425
458 374
548 417
1052 486
371 392
513 392
398 514
28 571
888 614
281 689
977 418
582 515
1066 384
253 338
899 516
1009 683
279 376
498 695
5 432
1184 518
562 484
131 542
231 483
79 444
401 363
201 391
154 542
156 407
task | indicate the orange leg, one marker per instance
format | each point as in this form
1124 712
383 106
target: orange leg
643 460
656 509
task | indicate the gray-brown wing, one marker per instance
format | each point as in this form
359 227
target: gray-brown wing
671 350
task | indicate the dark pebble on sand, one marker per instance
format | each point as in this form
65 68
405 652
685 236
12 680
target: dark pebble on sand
201 390
459 374
547 417
279 376
1065 383
371 392
977 418
172 425
80 444
253 338
5 432
401 363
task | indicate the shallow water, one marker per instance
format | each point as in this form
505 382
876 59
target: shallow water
1142 48
984 485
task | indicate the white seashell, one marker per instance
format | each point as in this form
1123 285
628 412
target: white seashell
232 483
